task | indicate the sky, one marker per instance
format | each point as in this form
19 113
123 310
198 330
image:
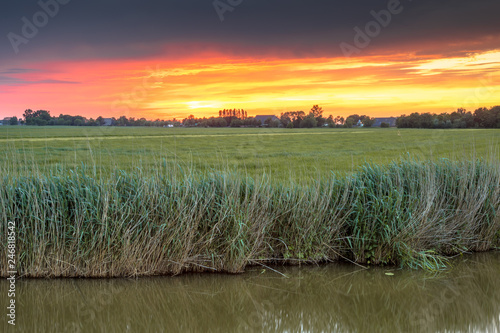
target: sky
173 58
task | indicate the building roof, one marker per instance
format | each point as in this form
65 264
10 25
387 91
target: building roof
389 120
263 118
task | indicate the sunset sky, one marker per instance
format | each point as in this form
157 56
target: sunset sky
170 59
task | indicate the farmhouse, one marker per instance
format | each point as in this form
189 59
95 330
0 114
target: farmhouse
6 121
107 121
263 118
391 121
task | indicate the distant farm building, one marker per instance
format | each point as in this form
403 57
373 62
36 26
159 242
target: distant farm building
6 121
108 121
391 121
263 118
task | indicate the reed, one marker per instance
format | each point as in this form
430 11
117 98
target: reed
87 223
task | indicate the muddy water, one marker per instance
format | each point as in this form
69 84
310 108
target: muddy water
332 298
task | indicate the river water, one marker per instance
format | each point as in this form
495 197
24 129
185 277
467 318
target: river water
329 298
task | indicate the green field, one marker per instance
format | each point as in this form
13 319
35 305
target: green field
111 202
283 153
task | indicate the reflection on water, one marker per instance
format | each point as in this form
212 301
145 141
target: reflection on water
329 298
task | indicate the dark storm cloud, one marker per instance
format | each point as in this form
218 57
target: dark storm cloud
130 29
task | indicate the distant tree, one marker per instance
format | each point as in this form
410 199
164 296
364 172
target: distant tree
43 114
236 123
63 120
285 119
425 120
39 117
385 125
320 121
28 114
230 114
221 122
349 122
39 122
317 111
339 121
309 121
330 122
92 122
100 121
367 121
496 112
122 121
13 121
140 122
352 121
251 122
486 118
295 117
189 121
80 121
275 123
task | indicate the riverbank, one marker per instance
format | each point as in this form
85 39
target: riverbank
75 223
324 298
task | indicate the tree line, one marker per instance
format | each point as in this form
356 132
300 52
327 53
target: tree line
43 118
236 113
299 119
231 121
481 118
290 119
227 117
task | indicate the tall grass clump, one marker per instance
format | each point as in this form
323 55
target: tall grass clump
80 223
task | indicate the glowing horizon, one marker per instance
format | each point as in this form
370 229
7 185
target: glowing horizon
373 85
176 58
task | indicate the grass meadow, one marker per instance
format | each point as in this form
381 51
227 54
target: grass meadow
110 202
285 154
